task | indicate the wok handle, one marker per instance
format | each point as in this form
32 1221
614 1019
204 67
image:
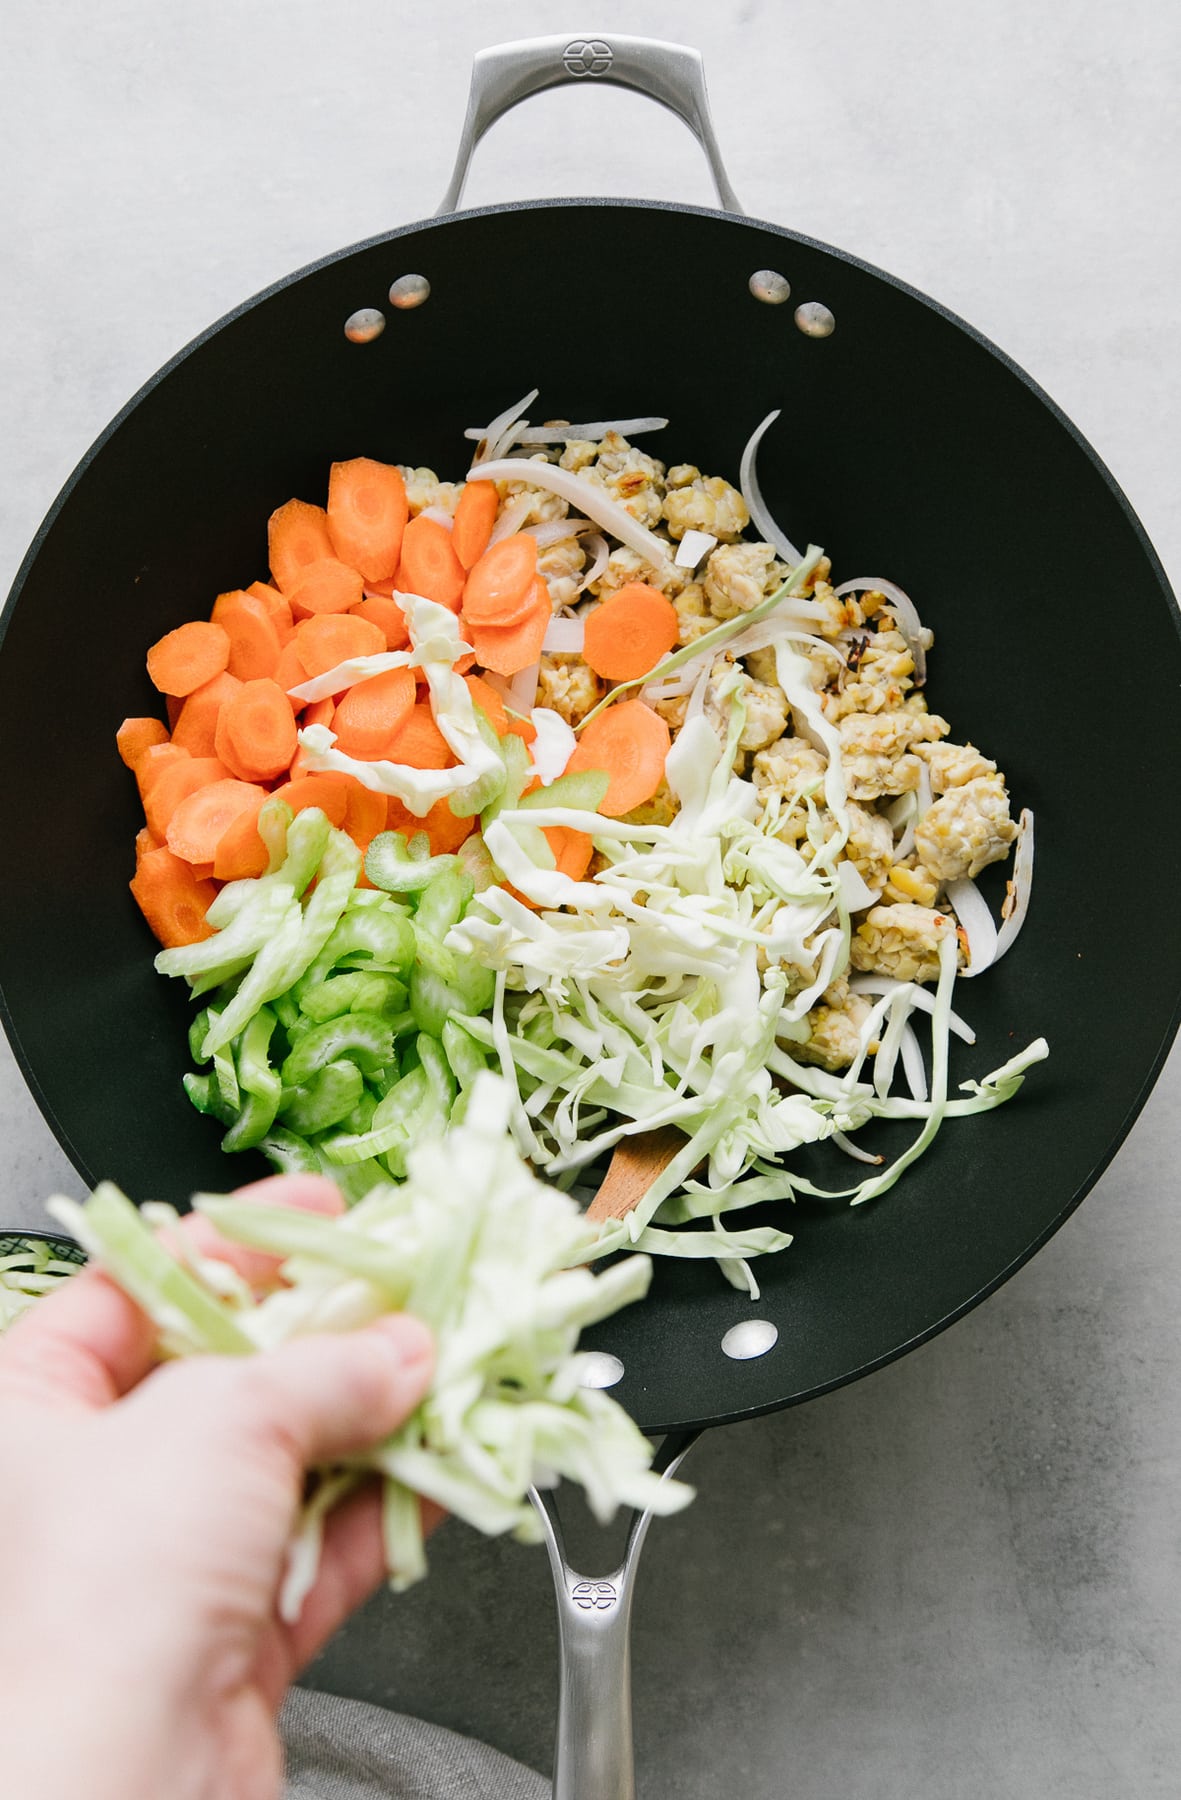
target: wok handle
593 1752
506 74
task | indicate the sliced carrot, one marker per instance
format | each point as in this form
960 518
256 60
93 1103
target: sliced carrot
320 712
276 605
254 636
144 841
474 518
330 638
256 734
196 728
135 736
172 707
628 634
240 854
371 711
382 590
419 742
445 831
629 742
174 784
204 816
172 899
525 729
367 511
572 853
188 657
429 565
387 615
297 534
325 586
499 590
327 791
489 701
290 671
507 649
151 765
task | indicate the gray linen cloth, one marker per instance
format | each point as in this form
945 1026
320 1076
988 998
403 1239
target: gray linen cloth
346 1750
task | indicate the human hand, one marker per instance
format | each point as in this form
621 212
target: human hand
145 1512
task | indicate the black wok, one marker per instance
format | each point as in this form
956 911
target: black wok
908 446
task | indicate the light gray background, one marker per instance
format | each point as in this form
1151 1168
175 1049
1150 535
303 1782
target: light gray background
961 1576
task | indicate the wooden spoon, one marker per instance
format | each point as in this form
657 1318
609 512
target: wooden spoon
634 1166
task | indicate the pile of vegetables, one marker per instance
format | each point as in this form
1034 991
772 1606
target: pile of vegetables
472 1243
29 1268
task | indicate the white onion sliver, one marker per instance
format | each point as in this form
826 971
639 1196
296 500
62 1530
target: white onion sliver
696 706
693 547
606 512
909 623
924 798
563 637
511 518
756 506
567 434
855 890
522 691
439 513
600 556
492 432
1022 885
971 909
556 531
913 1066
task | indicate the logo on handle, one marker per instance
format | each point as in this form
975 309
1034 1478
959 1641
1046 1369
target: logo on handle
587 56
593 1595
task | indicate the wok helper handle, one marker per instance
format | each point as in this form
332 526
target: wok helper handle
505 74
593 1757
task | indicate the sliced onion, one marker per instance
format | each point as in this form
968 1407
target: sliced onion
489 438
696 706
591 434
556 531
563 637
923 799
693 548
439 513
600 556
905 611
756 506
522 692
606 513
1017 905
855 890
971 909
512 517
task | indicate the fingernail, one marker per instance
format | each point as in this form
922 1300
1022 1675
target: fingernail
409 1338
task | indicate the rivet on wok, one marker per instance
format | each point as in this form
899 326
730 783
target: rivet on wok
770 286
600 1369
750 1338
409 290
363 326
815 320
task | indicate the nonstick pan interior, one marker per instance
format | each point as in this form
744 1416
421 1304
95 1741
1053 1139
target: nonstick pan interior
907 447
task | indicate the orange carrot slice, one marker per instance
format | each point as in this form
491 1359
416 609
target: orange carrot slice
290 671
499 590
367 515
135 736
254 636
297 534
628 634
490 703
204 816
174 783
387 615
507 649
474 518
445 832
327 791
325 586
419 742
371 711
188 657
256 734
276 605
629 742
144 841
172 899
429 565
330 638
196 728
240 854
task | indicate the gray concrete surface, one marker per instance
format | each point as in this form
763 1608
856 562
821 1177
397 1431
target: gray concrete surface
960 1577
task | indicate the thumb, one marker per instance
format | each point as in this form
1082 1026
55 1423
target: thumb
316 1399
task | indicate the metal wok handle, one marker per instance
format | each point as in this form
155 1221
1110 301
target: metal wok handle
506 74
593 1752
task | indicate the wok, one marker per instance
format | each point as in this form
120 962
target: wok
909 446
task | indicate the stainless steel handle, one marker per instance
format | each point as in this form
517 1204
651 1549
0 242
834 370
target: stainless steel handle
593 1757
506 74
